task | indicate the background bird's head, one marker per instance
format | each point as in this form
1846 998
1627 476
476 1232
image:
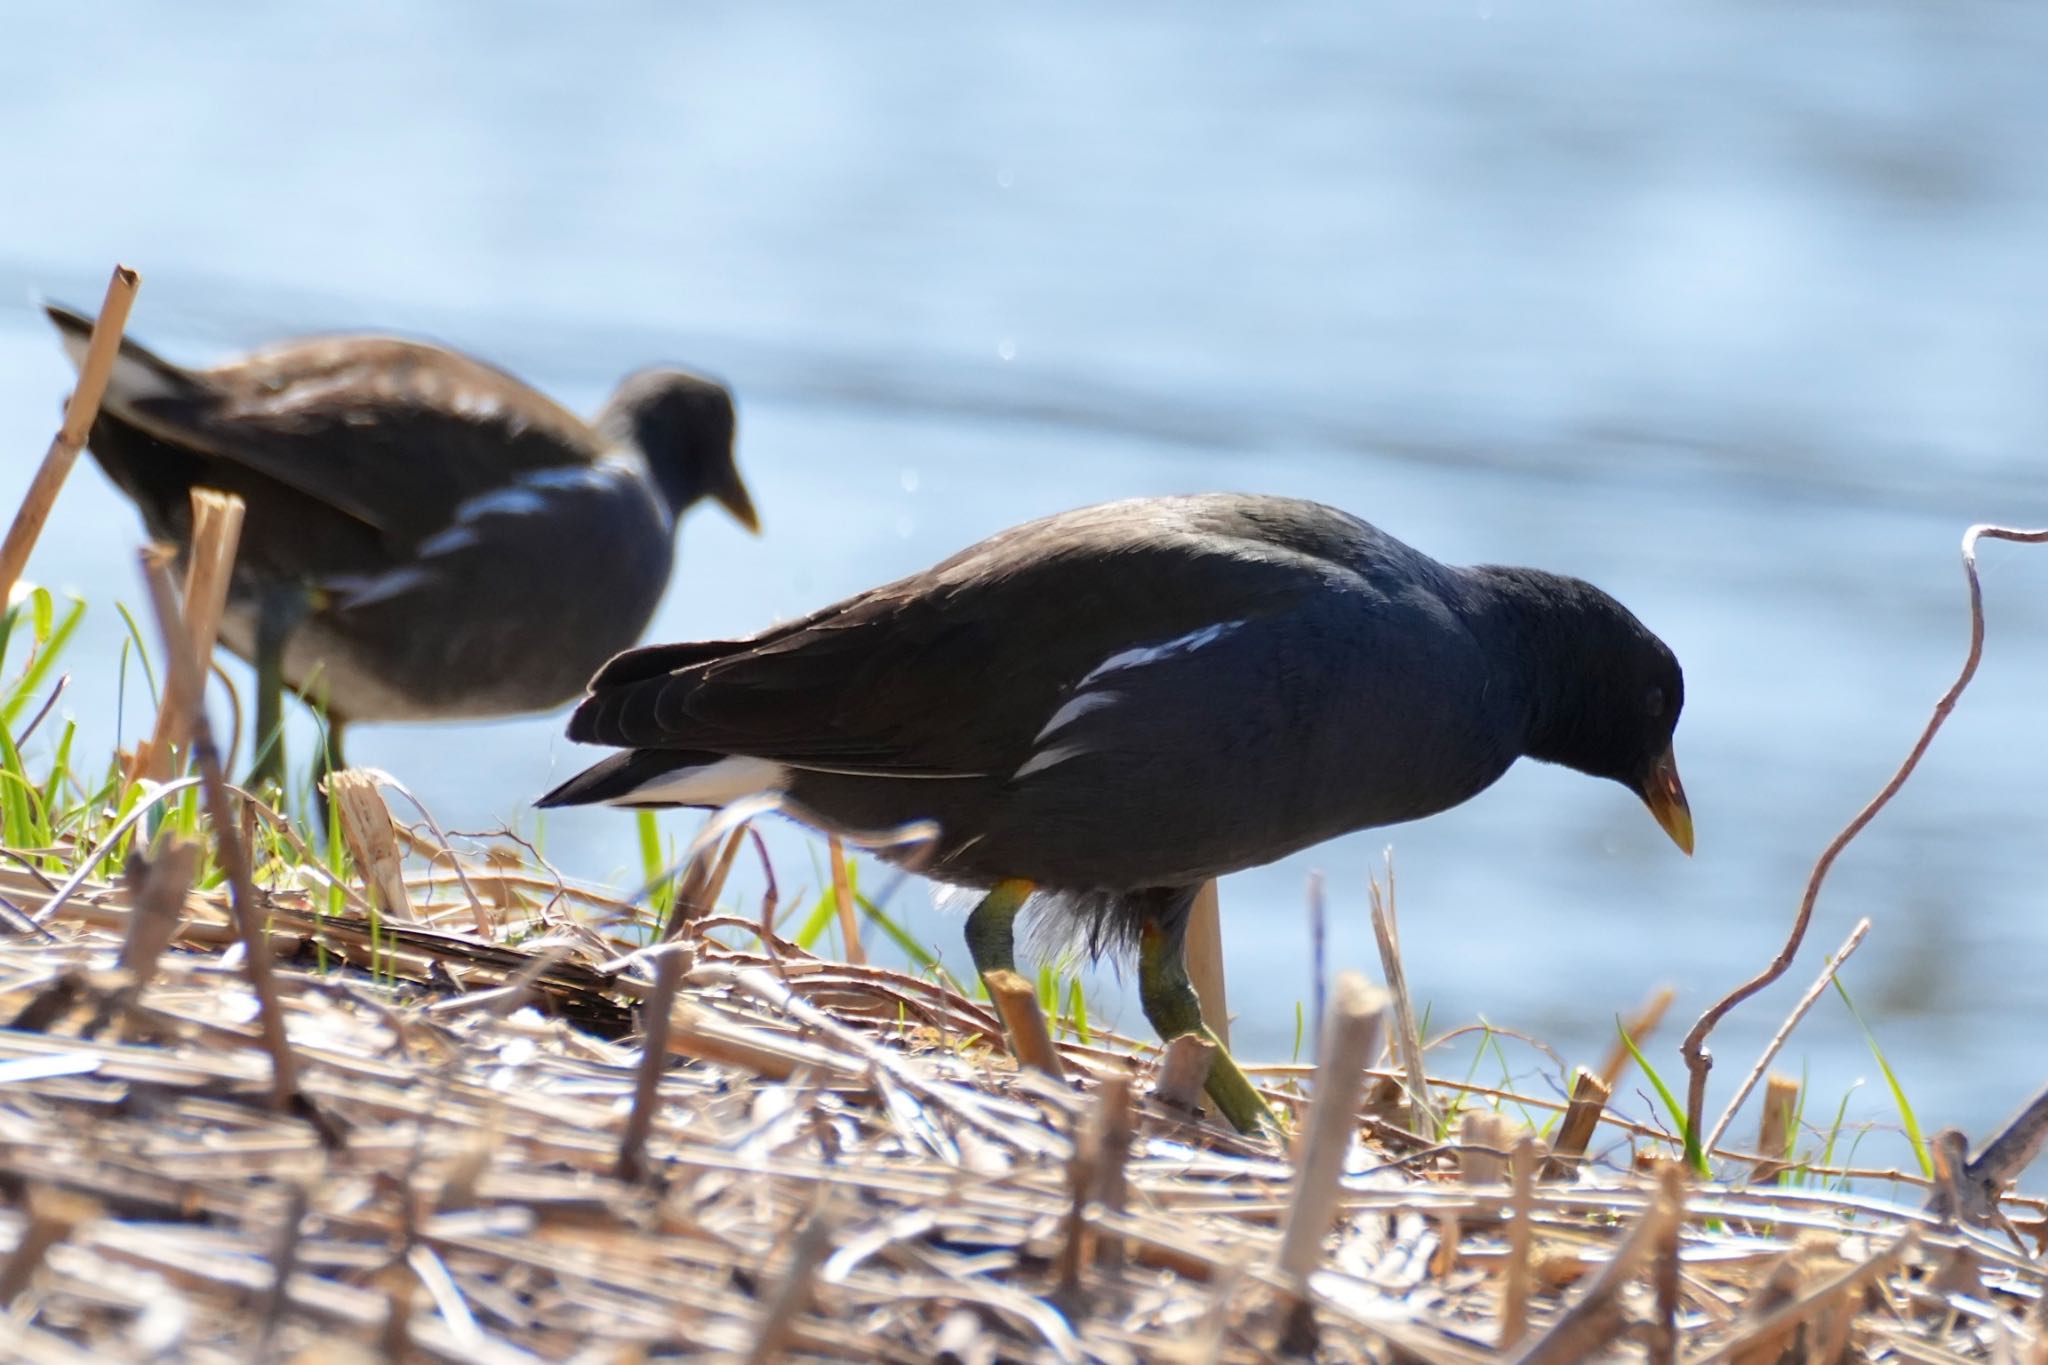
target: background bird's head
685 425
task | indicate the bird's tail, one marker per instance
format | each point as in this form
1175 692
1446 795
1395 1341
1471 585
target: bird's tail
139 373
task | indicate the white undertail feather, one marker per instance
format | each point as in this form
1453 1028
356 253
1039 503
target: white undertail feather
132 380
711 784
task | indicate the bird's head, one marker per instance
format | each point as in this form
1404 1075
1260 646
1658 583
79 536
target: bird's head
1606 692
684 424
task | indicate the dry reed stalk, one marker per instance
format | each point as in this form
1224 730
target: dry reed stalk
1600 1316
842 897
1774 1134
1830 1293
1698 1061
216 534
184 668
708 1036
366 826
1828 971
1662 1343
1640 1026
1514 1312
1116 1125
158 886
669 966
1351 1038
1575 1130
1386 928
1024 1023
52 1214
1485 1136
1204 950
1183 1074
1972 1194
80 412
792 1293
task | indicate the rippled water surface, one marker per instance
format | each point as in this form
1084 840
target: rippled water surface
1739 310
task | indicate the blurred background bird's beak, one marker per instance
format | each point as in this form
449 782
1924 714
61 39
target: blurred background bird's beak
734 498
1665 796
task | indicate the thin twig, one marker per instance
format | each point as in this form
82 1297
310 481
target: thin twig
842 897
1698 1061
1777 1043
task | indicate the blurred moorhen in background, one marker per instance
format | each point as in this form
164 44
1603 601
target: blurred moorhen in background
1113 705
427 537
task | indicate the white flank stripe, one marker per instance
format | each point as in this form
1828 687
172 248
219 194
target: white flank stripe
1045 758
1077 706
713 784
1152 654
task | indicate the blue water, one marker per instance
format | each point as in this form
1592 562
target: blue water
1739 310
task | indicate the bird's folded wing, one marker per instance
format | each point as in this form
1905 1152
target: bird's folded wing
954 672
392 433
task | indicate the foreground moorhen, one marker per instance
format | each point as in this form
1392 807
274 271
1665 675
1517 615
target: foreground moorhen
427 537
1110 706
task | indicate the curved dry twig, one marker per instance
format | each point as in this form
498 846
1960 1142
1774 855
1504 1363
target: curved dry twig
1699 1061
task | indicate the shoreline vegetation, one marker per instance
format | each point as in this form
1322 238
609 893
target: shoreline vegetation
366 1092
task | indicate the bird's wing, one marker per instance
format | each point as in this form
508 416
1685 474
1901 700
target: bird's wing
394 433
995 641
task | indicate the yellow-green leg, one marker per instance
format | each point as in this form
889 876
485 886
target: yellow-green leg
992 927
277 615
1173 1007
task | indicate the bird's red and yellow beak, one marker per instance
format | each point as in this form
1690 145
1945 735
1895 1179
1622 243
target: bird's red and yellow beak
1664 794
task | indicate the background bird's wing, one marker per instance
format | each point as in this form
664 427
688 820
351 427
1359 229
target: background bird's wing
395 434
993 641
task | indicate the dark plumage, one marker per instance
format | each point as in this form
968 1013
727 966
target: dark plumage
427 537
1120 702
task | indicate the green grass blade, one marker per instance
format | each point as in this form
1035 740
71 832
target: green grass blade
920 956
1694 1157
1891 1080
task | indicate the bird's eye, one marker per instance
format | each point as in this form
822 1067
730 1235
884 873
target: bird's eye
1654 703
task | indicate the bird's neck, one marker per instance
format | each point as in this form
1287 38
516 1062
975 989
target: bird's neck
1535 621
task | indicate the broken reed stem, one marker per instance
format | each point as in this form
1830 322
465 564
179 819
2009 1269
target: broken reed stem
1599 1316
367 828
1698 1061
234 857
1777 1043
1811 1304
79 415
1514 1311
1575 1130
842 896
1774 1133
1183 1072
1640 1027
1971 1191
792 1293
1204 954
157 886
1024 1023
1386 928
669 966
216 534
1351 1039
52 1214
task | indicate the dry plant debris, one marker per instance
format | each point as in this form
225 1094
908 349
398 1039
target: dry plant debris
822 1161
